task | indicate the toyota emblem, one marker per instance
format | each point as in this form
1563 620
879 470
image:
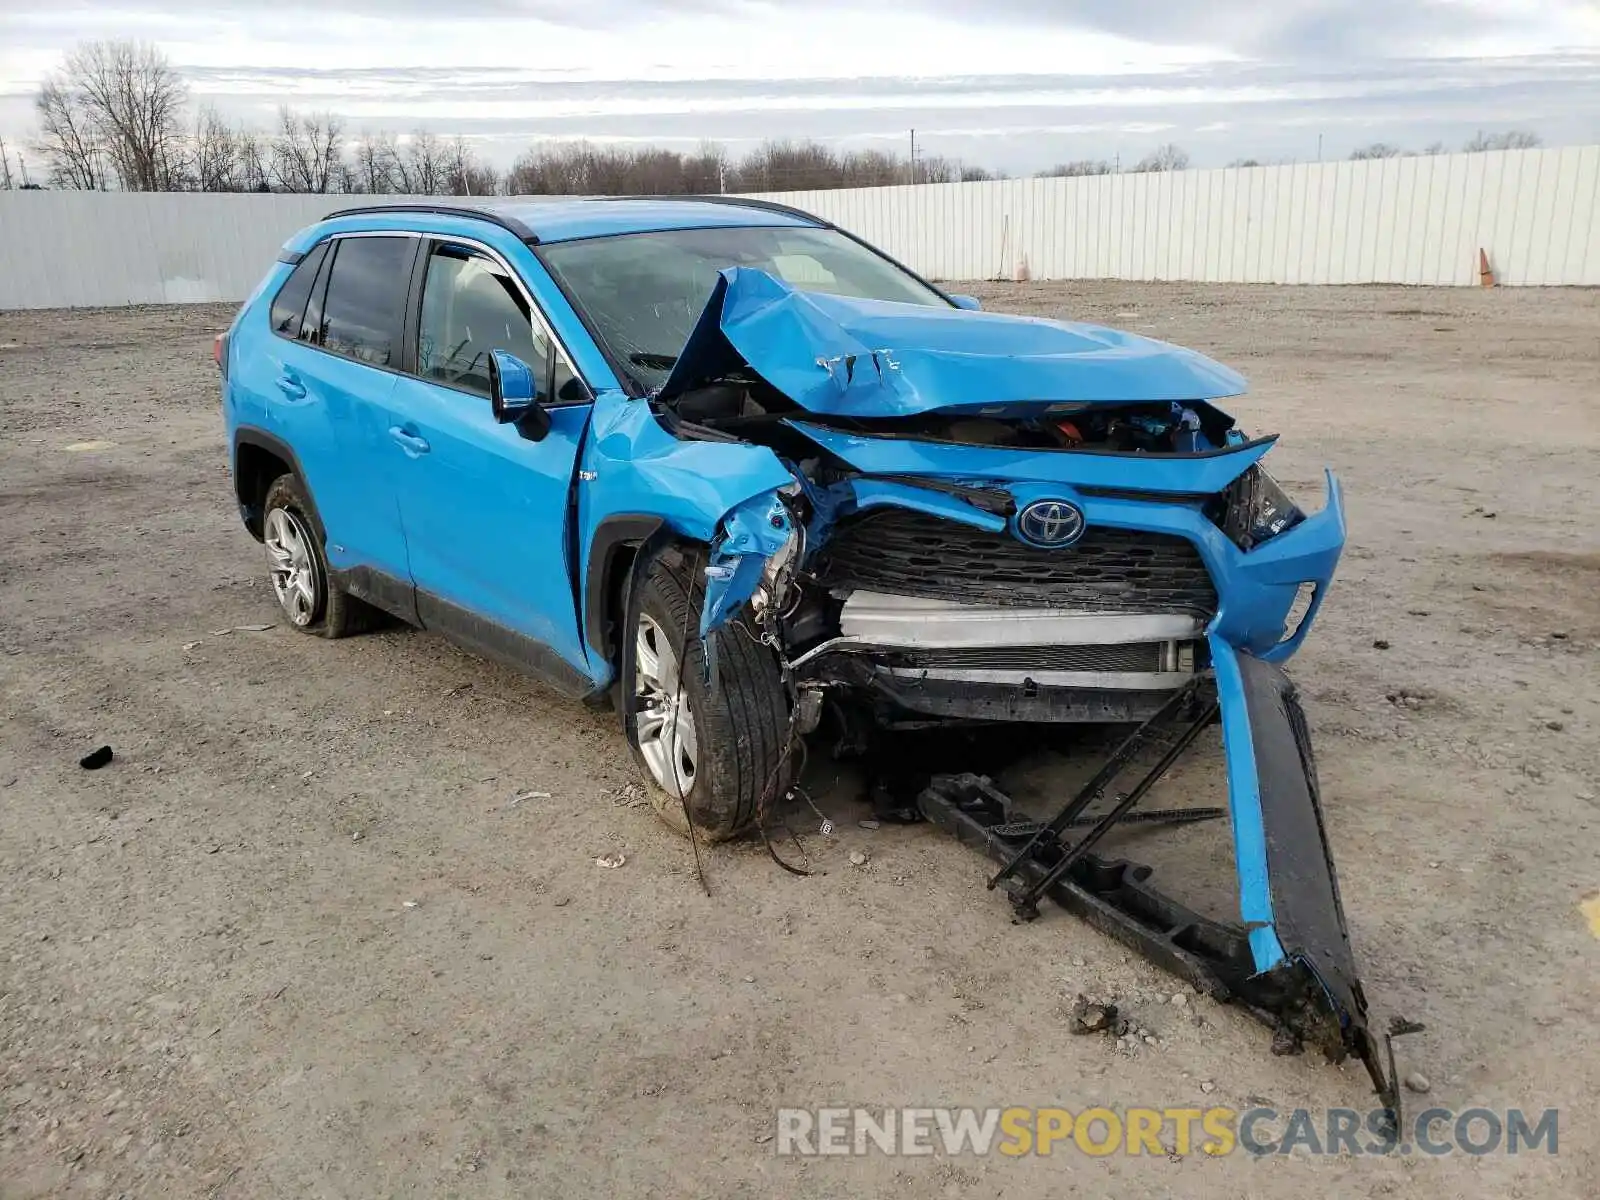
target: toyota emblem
1050 524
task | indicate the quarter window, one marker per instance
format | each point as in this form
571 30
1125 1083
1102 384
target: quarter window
289 305
364 311
311 326
470 307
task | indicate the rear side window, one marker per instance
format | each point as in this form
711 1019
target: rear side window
289 306
363 314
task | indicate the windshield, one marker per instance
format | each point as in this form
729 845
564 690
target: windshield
641 292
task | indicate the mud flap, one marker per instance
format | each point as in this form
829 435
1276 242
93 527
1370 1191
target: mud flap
1288 889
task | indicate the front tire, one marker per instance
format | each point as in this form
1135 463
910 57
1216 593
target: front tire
716 750
298 568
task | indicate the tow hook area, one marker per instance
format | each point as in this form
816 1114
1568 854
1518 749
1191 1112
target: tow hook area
1288 961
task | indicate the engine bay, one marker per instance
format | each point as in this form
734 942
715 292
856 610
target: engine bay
741 404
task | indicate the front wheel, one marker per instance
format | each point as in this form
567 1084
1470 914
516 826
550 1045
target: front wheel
714 750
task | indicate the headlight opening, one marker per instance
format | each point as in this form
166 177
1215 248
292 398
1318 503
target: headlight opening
1257 509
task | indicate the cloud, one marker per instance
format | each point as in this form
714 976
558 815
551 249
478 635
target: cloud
1296 29
1019 122
1010 83
1269 29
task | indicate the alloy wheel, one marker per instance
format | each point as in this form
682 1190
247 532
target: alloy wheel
664 721
289 559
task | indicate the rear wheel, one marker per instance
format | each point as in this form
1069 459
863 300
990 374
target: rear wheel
714 749
298 569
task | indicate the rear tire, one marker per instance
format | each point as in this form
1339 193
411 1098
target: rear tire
298 568
722 745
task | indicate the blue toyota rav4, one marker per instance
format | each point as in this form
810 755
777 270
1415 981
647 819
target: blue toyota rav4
739 473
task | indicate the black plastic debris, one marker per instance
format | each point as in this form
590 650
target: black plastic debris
1311 997
96 759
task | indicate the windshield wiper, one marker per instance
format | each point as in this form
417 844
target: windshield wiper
656 362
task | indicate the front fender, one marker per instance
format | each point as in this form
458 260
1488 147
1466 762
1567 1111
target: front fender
635 475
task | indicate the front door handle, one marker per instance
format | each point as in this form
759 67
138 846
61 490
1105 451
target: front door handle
289 384
411 443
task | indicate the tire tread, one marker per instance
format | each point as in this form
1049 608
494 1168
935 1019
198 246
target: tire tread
745 724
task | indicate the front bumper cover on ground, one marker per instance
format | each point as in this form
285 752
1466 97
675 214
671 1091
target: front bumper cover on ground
1288 960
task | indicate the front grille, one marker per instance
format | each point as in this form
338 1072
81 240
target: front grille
1107 570
1131 656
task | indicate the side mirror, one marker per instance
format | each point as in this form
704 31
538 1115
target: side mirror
968 302
514 395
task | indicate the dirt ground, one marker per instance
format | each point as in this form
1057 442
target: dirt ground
299 940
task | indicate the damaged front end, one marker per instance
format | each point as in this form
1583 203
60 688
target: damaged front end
990 519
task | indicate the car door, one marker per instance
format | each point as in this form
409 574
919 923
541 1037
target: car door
486 510
338 365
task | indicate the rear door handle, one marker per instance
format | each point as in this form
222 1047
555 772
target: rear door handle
289 384
411 443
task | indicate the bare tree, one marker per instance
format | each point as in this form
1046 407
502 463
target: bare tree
7 182
1245 162
421 168
1434 148
120 99
1170 157
1513 139
325 133
870 168
1375 150
396 165
67 140
306 150
215 159
255 157
346 179
579 168
374 158
706 170
457 163
465 175
546 171
483 180
1076 169
785 166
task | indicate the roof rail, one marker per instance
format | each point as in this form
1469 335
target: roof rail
444 210
771 206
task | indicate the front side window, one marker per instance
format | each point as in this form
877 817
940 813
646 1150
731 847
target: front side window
289 305
363 314
470 307
642 292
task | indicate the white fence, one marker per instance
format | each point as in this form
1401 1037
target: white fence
66 249
1536 213
1421 220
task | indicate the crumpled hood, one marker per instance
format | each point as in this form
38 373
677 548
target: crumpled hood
873 358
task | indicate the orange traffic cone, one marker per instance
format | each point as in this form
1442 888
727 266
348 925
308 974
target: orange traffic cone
1485 275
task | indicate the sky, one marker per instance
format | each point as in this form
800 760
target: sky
1009 84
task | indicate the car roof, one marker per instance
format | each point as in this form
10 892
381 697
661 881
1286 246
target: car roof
567 218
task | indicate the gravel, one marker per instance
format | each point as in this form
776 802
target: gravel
506 1022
